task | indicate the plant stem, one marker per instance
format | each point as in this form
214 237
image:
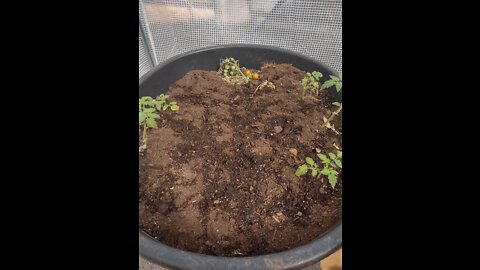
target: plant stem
243 75
145 135
332 116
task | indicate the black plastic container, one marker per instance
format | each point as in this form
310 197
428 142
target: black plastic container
157 81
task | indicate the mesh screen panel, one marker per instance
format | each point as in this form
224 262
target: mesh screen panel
310 27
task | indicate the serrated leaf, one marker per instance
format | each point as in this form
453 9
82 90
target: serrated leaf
162 97
327 84
322 157
174 107
335 78
314 173
309 161
151 123
148 110
332 156
325 171
153 116
338 162
158 105
317 75
333 172
332 179
301 170
336 104
141 117
141 100
338 85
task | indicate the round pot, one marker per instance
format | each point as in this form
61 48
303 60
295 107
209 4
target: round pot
156 82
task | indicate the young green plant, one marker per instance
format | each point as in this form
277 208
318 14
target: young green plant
231 71
329 162
310 83
148 109
326 122
334 80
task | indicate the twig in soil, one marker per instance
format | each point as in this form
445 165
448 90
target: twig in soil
274 233
335 113
263 85
276 219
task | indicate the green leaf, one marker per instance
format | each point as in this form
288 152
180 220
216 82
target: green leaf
338 85
332 179
325 171
333 172
148 110
164 107
141 117
309 161
337 104
158 105
339 154
317 75
174 107
162 97
301 170
335 78
151 123
340 76
332 156
327 84
314 172
338 162
153 116
322 157
150 102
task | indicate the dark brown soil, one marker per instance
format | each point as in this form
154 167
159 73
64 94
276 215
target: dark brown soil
218 178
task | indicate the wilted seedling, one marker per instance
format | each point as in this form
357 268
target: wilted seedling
326 122
231 71
330 162
310 83
148 111
334 80
263 85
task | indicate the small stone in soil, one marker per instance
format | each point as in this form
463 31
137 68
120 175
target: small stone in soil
216 201
293 151
277 129
322 191
299 214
